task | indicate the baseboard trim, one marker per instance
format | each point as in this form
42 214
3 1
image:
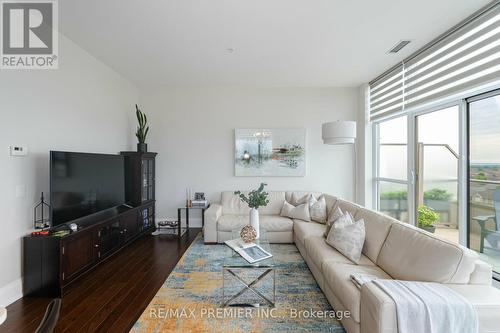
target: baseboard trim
11 292
211 243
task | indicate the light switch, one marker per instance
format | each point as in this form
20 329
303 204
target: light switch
18 150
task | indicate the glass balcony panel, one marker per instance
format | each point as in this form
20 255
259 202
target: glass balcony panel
393 200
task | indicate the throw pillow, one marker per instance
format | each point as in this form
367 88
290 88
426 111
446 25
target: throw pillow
317 209
348 239
308 198
336 214
300 212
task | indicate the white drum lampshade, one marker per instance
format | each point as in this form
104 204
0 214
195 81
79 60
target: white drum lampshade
339 132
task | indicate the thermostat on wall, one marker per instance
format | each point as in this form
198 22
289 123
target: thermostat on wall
18 150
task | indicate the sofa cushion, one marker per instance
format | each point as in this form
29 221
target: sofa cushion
377 228
349 207
303 230
320 253
413 254
270 223
232 205
337 277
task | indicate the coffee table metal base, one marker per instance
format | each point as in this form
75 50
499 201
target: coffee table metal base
251 287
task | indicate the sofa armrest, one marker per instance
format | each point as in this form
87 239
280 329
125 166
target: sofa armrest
378 311
482 274
212 215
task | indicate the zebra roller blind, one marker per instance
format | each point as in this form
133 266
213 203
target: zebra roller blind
466 58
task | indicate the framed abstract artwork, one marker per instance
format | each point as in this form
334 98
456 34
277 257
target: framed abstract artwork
270 152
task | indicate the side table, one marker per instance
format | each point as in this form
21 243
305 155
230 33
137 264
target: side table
187 209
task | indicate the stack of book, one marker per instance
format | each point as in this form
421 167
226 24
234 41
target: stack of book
199 203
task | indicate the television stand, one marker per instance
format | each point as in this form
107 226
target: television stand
51 264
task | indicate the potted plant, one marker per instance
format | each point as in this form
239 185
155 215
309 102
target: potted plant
255 199
426 218
142 130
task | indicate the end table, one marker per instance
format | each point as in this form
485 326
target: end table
187 209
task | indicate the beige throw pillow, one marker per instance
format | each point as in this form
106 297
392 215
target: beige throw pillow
347 238
300 212
317 209
299 201
334 216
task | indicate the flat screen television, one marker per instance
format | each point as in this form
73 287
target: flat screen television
82 184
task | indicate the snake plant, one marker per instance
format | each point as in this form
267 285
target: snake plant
142 128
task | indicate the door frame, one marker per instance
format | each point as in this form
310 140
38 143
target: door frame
462 164
467 101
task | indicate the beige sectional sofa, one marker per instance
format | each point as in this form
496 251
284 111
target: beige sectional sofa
392 250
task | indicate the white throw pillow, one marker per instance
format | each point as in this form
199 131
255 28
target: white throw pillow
317 209
300 212
334 216
347 238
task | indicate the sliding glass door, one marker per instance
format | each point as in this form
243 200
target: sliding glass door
391 175
484 177
437 161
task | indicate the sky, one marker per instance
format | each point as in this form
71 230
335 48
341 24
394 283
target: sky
485 130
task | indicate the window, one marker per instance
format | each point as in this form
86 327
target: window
484 178
392 166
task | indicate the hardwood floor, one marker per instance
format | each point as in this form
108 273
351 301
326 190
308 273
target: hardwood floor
113 296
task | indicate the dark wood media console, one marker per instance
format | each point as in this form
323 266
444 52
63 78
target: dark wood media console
52 263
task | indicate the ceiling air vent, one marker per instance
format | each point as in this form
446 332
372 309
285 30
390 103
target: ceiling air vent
399 46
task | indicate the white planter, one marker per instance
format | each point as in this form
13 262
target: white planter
254 220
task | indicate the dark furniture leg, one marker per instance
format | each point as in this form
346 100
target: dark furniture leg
180 222
187 218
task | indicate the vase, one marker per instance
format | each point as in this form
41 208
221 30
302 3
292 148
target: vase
254 221
142 147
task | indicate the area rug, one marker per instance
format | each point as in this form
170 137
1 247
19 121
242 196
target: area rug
190 299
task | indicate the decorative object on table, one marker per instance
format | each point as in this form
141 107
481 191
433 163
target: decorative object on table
342 132
41 214
142 130
254 200
199 200
248 234
270 152
189 201
426 218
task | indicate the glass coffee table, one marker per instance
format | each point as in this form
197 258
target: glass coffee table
255 283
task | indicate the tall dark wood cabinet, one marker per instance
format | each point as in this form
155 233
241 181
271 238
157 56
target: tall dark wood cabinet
52 263
140 177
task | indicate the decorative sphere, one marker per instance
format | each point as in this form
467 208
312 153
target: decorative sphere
248 234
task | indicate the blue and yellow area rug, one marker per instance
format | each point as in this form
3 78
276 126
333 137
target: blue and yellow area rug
190 299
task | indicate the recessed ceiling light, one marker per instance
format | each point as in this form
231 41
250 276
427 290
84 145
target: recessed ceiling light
396 48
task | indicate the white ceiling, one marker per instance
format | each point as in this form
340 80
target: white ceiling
340 43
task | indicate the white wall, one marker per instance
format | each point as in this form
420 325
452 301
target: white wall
193 132
83 106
